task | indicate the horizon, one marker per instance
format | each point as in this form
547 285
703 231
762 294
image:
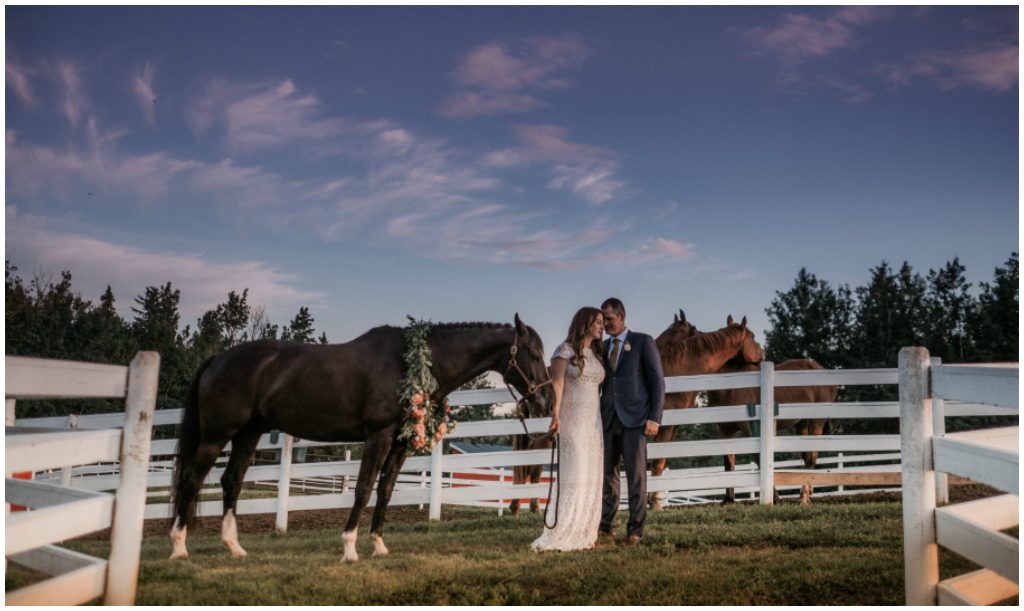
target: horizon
467 163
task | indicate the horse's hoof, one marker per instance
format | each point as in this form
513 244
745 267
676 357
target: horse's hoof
239 553
352 558
379 549
728 501
178 556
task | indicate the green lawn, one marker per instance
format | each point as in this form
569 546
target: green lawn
741 554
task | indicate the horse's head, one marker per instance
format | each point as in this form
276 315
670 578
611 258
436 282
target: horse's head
527 371
678 331
750 351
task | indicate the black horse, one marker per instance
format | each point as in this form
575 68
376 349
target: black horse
341 392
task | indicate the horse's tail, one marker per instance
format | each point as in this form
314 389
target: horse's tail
188 445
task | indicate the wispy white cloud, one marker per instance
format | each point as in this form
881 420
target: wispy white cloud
992 67
798 37
585 170
653 250
74 103
44 243
264 115
19 80
506 76
142 86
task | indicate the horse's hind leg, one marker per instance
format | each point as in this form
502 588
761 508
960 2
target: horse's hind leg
535 472
188 492
729 463
518 473
243 448
374 452
386 486
665 433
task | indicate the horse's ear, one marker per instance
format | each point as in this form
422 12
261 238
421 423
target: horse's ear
676 317
520 327
743 323
682 315
728 321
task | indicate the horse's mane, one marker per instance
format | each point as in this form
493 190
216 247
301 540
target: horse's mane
701 344
445 325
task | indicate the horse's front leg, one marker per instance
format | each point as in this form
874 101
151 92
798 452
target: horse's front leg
386 485
374 452
665 433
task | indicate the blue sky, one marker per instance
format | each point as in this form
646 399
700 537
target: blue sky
468 163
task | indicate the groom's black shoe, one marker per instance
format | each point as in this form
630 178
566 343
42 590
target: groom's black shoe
603 534
632 540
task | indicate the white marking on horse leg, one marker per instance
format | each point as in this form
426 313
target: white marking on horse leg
349 537
178 541
229 535
379 549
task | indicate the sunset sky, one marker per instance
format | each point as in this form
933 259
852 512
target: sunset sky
468 163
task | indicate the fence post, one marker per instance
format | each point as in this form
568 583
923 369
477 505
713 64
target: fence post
9 412
130 501
767 462
920 551
939 429
284 481
435 481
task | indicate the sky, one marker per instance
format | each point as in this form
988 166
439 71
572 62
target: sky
466 163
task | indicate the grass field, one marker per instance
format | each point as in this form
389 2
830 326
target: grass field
742 554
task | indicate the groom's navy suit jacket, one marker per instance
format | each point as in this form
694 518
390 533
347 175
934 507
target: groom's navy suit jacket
635 389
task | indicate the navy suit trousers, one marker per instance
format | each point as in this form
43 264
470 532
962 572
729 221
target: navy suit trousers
627 446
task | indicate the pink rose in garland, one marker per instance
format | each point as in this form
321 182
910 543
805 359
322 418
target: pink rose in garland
419 442
418 413
417 399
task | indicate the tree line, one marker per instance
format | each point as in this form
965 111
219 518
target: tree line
45 317
865 327
840 327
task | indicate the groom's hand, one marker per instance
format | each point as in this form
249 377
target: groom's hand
651 428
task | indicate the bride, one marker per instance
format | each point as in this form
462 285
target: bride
577 371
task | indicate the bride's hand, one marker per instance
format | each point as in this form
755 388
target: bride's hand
553 429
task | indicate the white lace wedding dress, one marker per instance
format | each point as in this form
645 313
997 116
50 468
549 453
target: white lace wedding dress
580 458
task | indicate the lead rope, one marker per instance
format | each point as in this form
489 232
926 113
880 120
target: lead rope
553 468
551 483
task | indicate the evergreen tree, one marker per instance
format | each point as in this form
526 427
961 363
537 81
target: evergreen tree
994 325
234 316
889 315
156 328
949 305
300 329
810 320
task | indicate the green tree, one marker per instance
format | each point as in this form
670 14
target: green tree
234 316
156 328
811 320
994 326
889 315
300 329
948 306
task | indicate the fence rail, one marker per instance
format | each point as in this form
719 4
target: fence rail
989 456
59 513
424 479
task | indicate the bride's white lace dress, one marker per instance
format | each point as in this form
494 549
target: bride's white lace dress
580 458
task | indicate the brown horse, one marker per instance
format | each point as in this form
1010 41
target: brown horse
339 392
531 473
686 351
783 394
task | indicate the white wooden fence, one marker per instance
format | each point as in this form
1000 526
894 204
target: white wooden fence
58 513
990 456
424 480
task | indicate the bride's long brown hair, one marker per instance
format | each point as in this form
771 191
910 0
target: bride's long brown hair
578 329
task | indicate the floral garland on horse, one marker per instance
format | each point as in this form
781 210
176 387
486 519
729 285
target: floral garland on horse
426 422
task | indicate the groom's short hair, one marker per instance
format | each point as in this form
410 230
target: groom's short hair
616 306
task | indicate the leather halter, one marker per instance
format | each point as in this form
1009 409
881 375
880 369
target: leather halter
531 387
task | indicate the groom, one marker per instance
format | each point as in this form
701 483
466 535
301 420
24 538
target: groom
632 397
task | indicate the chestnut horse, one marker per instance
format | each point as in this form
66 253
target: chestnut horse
342 393
686 351
783 394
